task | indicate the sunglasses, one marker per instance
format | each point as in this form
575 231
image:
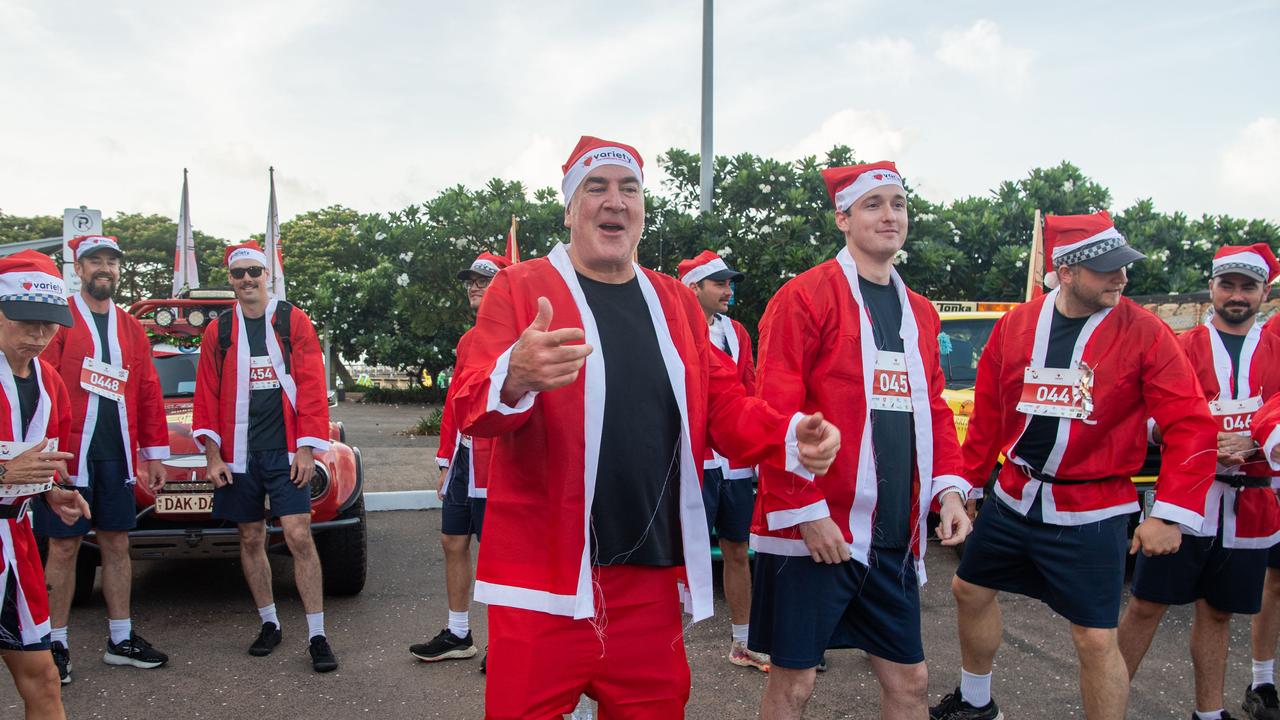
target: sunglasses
253 272
477 282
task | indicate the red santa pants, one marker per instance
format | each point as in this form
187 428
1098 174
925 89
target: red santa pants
630 660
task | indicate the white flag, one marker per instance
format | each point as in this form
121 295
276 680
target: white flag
186 275
275 261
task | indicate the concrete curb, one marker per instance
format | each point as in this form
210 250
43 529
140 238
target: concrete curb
401 500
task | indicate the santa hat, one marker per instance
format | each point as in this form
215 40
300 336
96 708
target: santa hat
486 264
85 245
591 153
1256 260
31 288
846 184
706 266
245 251
1088 240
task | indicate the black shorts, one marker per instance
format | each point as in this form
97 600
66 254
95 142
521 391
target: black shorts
1077 570
460 514
801 608
729 504
1273 557
268 477
1229 579
110 498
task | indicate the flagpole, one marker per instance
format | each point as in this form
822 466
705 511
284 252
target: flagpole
708 154
1035 263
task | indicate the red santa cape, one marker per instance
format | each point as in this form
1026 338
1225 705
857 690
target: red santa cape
221 409
142 418
451 440
1137 369
817 353
20 566
537 549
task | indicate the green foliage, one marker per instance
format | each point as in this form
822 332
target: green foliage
415 395
428 424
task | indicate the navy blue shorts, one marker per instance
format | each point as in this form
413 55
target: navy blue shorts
801 608
1229 579
267 477
460 514
10 618
1077 570
1273 557
111 504
729 504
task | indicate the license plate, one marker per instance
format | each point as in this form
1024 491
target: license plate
184 503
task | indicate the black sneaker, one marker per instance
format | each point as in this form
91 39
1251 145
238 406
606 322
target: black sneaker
134 651
322 658
445 646
1225 716
822 664
953 707
1260 703
268 638
484 663
62 658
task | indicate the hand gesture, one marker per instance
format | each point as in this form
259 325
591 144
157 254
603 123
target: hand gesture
69 505
955 520
825 541
542 359
818 441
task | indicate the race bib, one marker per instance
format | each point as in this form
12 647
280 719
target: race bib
10 450
104 380
890 389
262 375
1057 392
1235 416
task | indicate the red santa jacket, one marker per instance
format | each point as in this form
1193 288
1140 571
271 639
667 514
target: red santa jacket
1138 371
451 441
817 354
1250 516
20 566
537 549
1273 325
1266 429
221 409
737 356
142 418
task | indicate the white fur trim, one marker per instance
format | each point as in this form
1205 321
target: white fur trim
247 254
1249 260
788 547
1108 234
497 378
702 271
865 183
1173 513
794 466
321 444
526 599
779 519
158 452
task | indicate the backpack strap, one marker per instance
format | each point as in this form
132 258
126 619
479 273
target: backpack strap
224 335
281 323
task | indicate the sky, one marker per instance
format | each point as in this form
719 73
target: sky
379 105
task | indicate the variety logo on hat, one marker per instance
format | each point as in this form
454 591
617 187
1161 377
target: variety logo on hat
845 185
245 251
89 244
31 288
592 152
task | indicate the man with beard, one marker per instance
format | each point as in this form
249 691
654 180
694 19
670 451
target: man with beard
1220 566
1064 389
119 435
463 485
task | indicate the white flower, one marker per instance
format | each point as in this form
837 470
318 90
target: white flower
406 256
765 188
380 236
900 257
403 280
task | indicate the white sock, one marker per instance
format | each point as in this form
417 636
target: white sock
1264 671
268 615
120 630
740 632
1209 715
58 635
975 689
315 624
459 623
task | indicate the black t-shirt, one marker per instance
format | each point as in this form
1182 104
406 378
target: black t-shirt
892 433
635 515
266 408
28 398
1234 345
1037 441
108 441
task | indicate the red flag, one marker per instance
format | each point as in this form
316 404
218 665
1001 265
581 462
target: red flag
1036 261
513 246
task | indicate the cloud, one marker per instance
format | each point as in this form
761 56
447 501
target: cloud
980 52
872 134
883 58
1249 169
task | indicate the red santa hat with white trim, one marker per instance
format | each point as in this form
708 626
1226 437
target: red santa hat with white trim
1088 240
591 153
245 251
1257 261
845 185
85 245
706 265
31 288
486 264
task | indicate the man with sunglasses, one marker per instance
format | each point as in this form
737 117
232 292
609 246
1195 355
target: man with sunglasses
260 412
462 487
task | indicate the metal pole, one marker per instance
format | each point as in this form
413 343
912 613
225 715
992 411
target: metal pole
708 155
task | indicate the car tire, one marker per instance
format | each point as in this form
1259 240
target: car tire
344 555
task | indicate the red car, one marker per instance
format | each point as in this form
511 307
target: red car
175 522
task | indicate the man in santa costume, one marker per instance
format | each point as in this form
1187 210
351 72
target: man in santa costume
119 434
1220 566
596 517
840 560
260 412
463 484
37 422
1064 388
727 491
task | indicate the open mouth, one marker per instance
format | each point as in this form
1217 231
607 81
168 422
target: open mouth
611 227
